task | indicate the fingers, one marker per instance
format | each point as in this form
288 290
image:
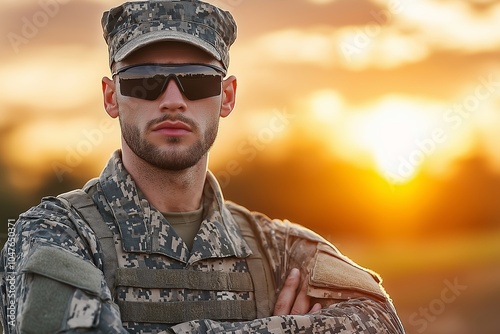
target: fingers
315 308
293 302
302 303
286 298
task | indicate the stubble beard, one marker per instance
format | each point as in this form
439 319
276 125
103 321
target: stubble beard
173 159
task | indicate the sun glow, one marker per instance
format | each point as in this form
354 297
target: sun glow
396 135
393 132
327 106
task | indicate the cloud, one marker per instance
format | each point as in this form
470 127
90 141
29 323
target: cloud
321 2
402 32
449 24
374 47
30 25
298 46
453 25
351 47
52 80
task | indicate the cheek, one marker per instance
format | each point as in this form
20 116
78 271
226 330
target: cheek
128 114
132 108
126 104
211 115
204 109
213 109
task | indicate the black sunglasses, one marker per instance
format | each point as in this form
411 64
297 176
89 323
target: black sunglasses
149 81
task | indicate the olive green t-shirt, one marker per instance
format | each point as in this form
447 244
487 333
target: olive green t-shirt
185 224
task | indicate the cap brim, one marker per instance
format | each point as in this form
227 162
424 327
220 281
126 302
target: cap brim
164 36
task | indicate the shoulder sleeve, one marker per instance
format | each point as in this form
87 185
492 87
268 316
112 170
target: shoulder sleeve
335 276
51 275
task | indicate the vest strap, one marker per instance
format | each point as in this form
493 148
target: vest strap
182 279
86 208
177 312
265 294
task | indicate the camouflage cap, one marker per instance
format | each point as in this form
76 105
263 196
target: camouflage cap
135 24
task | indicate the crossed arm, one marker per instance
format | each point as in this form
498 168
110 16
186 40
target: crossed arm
296 309
295 312
291 300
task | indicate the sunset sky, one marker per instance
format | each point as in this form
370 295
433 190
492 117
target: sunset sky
377 120
396 86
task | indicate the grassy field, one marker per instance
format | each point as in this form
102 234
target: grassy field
447 285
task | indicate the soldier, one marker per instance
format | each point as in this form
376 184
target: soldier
151 246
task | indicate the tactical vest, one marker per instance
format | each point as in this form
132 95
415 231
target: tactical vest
259 280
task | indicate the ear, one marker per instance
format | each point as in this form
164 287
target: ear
109 96
228 96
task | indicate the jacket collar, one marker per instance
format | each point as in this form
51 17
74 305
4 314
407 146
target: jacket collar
143 228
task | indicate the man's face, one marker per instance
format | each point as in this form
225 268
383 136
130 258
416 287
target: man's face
171 132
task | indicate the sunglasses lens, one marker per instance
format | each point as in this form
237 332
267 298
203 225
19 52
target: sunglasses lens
147 88
200 86
148 82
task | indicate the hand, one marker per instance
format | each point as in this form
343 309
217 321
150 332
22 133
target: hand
293 302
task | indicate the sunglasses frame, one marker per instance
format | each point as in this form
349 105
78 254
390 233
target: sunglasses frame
169 76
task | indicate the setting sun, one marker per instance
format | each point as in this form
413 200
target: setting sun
392 131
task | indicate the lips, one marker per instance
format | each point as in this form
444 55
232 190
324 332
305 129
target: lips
172 128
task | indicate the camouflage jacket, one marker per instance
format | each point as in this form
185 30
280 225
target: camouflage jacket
51 268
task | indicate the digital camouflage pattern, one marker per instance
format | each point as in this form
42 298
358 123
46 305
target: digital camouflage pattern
144 239
134 24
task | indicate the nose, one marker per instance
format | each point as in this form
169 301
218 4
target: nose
172 98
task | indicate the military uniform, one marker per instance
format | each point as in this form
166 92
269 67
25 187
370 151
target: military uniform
104 260
59 282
